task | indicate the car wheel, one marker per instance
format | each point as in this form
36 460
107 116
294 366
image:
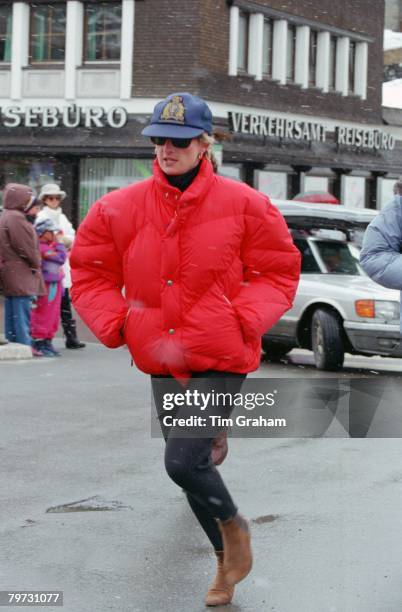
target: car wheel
326 340
273 351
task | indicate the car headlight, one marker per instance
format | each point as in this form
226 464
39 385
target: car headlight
377 309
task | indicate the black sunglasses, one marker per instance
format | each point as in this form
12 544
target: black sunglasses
180 143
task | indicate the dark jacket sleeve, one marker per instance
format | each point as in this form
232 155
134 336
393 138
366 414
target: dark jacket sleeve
271 269
381 253
97 276
23 240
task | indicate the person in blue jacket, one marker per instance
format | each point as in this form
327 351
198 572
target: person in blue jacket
381 256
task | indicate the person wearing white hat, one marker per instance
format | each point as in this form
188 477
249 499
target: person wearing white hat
49 190
51 197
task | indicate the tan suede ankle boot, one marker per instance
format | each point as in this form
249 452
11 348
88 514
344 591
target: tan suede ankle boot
220 592
238 558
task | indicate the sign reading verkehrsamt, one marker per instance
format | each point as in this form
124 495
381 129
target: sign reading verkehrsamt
310 131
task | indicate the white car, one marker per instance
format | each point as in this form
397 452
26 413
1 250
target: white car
337 308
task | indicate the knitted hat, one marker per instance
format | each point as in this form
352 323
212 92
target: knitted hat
45 225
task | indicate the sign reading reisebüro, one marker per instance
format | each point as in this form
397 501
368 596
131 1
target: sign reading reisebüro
68 116
309 131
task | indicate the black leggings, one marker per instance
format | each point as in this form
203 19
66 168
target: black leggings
188 460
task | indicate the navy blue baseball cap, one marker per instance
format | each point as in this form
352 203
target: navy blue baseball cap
180 115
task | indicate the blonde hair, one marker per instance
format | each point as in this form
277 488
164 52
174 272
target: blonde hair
209 153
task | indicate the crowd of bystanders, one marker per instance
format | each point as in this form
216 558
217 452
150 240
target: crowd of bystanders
35 239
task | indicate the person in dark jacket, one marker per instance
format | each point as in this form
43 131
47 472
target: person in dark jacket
207 265
381 256
20 262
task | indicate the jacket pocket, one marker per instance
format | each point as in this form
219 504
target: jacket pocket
248 335
233 309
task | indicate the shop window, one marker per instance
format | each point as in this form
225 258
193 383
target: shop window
352 57
318 179
332 64
385 191
99 176
353 191
47 33
267 48
242 49
34 172
231 171
312 60
290 54
5 33
273 184
315 183
102 31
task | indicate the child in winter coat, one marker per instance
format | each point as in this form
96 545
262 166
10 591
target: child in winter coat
45 317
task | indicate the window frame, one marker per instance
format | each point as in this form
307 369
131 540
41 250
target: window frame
352 68
268 49
47 61
290 76
95 62
243 18
286 75
332 64
312 61
9 5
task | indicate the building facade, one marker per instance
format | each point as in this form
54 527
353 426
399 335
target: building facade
296 85
393 15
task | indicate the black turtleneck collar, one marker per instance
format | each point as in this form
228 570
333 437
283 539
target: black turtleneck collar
182 181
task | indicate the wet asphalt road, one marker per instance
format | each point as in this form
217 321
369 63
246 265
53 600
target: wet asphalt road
86 507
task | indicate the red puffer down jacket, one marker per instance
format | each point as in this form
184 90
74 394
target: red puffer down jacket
205 273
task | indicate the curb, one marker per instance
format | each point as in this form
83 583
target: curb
13 351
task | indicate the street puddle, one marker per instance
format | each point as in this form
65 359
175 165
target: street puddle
268 518
91 504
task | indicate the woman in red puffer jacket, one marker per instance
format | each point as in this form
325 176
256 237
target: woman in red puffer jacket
208 265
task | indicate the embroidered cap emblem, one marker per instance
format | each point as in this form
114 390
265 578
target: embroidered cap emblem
174 110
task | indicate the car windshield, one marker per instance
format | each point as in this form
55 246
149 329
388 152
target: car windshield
338 257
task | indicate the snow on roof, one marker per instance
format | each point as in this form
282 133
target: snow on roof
392 40
392 93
